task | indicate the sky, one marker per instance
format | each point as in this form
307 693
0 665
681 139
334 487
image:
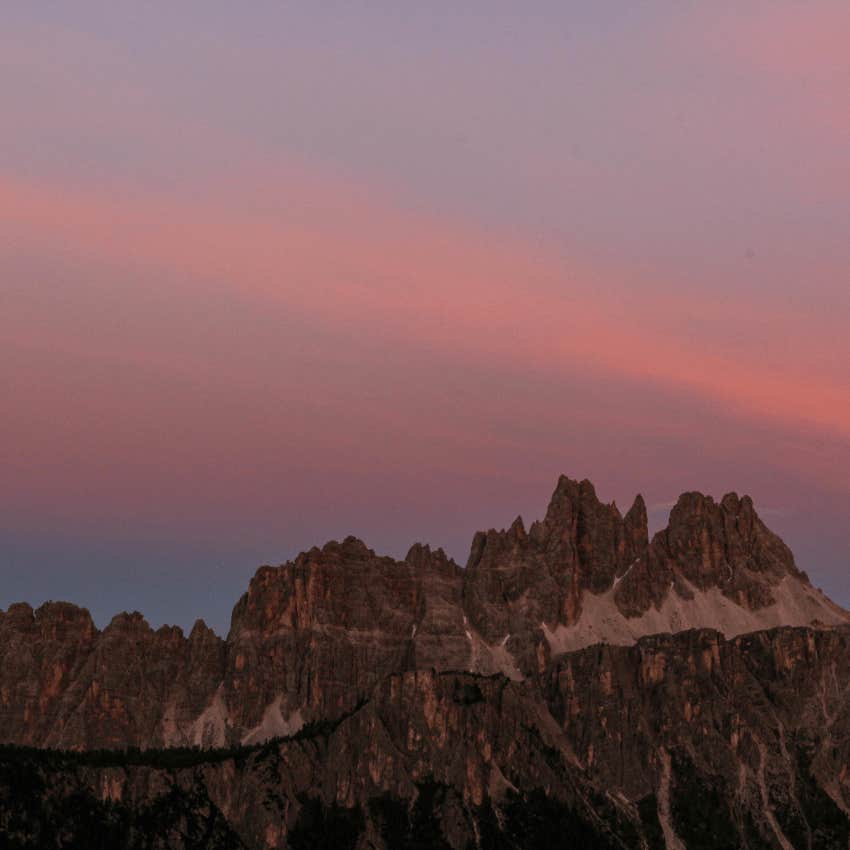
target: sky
275 274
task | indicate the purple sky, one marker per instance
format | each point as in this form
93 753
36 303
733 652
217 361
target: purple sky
273 277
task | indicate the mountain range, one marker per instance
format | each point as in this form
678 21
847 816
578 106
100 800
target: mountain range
576 684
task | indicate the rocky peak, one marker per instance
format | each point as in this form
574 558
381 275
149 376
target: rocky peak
542 575
54 621
64 621
127 624
201 633
19 616
585 574
423 559
724 545
586 534
350 549
341 585
636 526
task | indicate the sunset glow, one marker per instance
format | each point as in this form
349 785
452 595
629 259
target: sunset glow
261 292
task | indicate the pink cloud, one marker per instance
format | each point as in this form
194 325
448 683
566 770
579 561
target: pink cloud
352 261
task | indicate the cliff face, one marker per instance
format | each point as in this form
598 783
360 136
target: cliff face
681 741
586 574
311 639
64 684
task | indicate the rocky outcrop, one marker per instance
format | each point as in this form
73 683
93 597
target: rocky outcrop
516 577
42 654
310 640
64 684
586 574
680 741
710 545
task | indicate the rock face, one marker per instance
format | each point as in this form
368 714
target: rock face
517 581
64 684
311 640
586 574
680 741
706 546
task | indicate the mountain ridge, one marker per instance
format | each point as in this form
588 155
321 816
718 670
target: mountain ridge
310 638
576 684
